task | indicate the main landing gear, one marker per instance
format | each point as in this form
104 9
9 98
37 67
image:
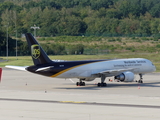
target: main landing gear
80 83
141 79
102 84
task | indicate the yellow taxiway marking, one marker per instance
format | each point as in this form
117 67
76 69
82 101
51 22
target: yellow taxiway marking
72 102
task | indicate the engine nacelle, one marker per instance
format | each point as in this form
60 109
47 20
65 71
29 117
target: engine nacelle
125 77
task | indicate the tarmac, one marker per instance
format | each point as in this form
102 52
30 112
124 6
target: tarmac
27 96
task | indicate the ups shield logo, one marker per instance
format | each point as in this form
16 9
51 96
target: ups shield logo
35 50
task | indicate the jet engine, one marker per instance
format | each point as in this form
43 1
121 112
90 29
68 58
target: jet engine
125 77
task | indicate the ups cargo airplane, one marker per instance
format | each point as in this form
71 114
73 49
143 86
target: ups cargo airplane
122 69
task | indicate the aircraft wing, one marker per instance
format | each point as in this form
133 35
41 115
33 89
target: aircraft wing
114 72
23 68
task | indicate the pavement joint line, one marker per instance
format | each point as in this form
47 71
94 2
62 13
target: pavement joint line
82 103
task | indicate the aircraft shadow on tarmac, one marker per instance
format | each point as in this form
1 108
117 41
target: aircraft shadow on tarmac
111 85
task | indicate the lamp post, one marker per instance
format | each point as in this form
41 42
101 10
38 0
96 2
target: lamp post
35 27
6 41
16 45
15 18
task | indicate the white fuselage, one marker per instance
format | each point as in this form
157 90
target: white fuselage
137 66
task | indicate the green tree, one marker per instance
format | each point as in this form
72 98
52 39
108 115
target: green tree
155 10
76 49
2 44
153 25
70 25
97 4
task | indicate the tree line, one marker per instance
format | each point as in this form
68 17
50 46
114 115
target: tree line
77 17
80 17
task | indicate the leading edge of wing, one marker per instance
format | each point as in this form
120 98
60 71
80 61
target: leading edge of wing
22 68
115 71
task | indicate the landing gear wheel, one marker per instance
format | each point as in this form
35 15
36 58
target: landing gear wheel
101 84
140 81
83 83
80 83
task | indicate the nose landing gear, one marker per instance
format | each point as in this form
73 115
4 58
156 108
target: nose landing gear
141 79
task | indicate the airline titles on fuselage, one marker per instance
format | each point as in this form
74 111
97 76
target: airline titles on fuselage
131 63
135 61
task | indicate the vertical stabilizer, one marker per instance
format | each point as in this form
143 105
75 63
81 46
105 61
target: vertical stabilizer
37 53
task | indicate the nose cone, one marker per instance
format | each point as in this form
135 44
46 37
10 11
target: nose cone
154 68
151 66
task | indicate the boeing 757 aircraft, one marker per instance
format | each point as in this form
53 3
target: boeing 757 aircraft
122 69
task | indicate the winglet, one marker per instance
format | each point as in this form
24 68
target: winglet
0 74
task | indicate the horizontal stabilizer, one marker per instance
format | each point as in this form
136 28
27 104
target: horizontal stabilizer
23 68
